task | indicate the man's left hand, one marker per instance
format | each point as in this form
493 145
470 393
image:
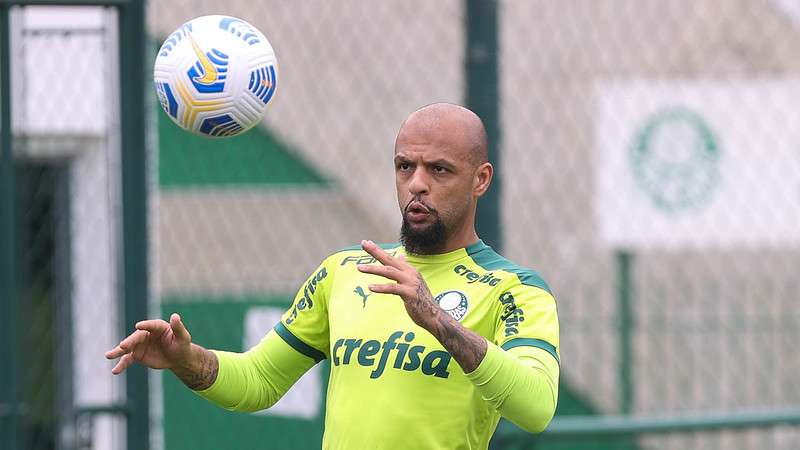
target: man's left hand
410 286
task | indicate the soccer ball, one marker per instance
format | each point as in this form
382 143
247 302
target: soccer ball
215 75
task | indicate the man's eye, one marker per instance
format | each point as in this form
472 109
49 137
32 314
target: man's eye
439 169
403 166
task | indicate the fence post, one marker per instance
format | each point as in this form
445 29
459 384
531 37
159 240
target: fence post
9 403
132 68
483 97
625 325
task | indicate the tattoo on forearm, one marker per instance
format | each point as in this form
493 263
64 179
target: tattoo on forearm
205 374
423 302
467 347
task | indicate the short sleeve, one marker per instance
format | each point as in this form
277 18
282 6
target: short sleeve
528 317
304 325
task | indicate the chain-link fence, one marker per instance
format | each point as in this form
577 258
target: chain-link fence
657 140
63 307
652 138
648 169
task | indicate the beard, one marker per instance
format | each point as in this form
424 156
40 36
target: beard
428 240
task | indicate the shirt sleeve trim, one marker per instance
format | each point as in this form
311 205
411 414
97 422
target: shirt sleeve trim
529 342
297 344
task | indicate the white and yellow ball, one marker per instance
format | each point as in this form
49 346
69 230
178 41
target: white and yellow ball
215 75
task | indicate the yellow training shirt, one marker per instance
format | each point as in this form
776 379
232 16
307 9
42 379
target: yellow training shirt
392 384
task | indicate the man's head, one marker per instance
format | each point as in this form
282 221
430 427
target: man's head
441 169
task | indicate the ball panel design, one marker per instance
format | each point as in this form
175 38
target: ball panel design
262 83
241 29
167 99
223 125
172 41
209 73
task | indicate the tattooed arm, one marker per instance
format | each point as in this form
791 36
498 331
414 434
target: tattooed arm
201 369
467 347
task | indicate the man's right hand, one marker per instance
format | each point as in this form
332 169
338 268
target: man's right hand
156 344
167 345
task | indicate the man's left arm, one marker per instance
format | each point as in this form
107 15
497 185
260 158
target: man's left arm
522 383
519 374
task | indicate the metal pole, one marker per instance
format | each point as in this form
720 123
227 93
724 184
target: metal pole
8 292
625 324
132 69
64 2
596 426
483 97
65 395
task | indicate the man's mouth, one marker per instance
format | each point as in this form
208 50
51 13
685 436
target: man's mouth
417 212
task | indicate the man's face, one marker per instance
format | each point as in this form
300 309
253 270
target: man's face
434 173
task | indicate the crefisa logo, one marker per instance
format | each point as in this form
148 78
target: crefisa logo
306 301
454 303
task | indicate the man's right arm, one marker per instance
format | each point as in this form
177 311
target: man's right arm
259 377
253 380
247 381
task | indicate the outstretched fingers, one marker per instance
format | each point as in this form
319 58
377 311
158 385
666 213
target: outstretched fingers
128 344
389 272
156 326
391 288
115 352
123 364
380 254
179 329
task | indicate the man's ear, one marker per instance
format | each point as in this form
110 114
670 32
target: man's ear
482 180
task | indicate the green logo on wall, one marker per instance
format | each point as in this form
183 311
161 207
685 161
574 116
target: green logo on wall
675 159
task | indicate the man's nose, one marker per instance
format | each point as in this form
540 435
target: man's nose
419 184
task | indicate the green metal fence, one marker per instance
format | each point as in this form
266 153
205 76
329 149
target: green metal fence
647 167
51 305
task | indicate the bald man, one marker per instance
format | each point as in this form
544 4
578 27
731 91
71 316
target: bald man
430 341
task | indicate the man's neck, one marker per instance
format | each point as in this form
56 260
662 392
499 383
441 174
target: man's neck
461 240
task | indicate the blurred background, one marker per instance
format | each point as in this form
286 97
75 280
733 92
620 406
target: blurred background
648 166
